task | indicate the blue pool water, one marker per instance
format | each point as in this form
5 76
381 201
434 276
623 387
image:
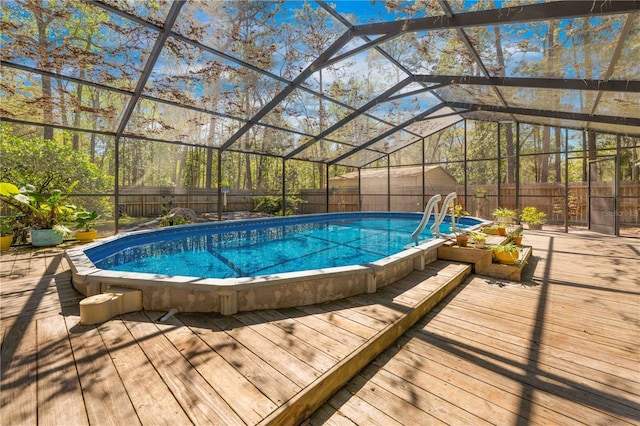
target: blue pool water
263 246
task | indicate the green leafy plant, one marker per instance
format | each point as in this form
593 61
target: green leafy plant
533 217
23 159
86 220
480 193
508 248
42 211
272 204
504 212
171 220
457 211
6 225
478 236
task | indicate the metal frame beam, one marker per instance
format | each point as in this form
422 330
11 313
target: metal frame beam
506 15
563 115
377 100
389 132
314 66
624 33
151 62
533 82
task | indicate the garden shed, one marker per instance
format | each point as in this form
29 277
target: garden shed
376 179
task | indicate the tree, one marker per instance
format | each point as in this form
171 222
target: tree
48 164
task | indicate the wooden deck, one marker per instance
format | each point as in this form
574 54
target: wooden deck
562 347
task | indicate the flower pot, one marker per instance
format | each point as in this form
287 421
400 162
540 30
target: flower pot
517 240
502 231
86 236
462 240
5 242
507 257
45 237
479 244
537 227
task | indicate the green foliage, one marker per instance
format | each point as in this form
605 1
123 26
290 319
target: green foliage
514 234
86 220
532 216
47 164
41 210
477 236
272 204
504 212
6 225
171 220
508 248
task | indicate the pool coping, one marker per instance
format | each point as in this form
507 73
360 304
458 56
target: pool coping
231 295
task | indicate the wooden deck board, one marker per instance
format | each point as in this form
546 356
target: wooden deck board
196 396
102 387
60 397
144 385
271 382
19 397
562 347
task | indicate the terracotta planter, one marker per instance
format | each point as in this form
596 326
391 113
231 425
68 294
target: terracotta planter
462 240
5 242
517 240
502 231
45 237
507 257
87 236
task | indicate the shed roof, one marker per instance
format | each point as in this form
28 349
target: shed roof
395 172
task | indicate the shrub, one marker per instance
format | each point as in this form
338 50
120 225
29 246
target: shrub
532 216
272 204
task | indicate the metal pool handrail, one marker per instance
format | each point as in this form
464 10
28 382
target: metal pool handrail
432 204
435 228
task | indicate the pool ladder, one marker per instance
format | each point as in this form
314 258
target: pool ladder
432 206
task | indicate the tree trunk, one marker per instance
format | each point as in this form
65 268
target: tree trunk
591 138
558 158
209 169
510 154
544 161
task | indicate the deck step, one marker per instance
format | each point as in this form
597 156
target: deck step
435 282
509 272
482 259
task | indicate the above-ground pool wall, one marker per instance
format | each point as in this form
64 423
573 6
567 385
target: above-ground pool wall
228 296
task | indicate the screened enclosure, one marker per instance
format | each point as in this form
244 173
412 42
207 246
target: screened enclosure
170 104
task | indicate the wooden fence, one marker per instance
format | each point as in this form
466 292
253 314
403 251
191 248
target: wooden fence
549 198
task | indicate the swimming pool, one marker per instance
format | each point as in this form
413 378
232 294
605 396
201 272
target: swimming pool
258 263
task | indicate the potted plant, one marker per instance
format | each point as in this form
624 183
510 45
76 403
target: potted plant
515 237
507 253
224 186
504 215
85 221
478 239
6 232
457 211
480 193
533 217
43 212
502 230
